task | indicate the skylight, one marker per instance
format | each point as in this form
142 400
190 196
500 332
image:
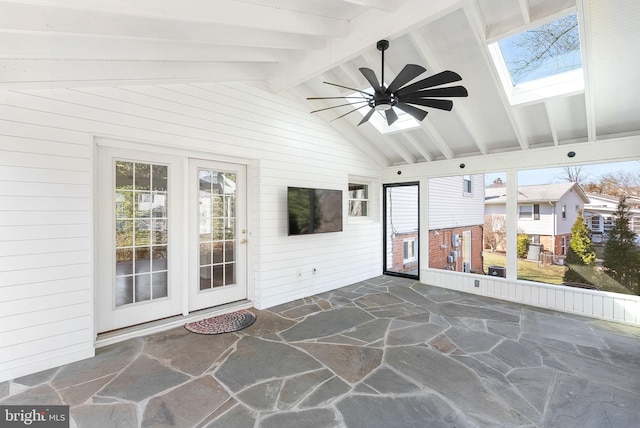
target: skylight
379 120
547 56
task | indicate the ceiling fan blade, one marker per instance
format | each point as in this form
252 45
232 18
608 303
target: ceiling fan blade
367 116
411 110
435 80
341 105
349 112
451 91
334 98
434 103
371 78
351 89
391 116
408 73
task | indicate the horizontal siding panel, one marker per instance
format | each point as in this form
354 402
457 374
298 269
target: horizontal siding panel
37 306
33 363
36 203
48 174
37 275
31 232
59 149
45 288
29 160
44 217
36 350
43 330
21 322
43 246
35 261
44 189
34 129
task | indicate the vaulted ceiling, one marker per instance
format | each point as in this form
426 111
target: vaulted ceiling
292 46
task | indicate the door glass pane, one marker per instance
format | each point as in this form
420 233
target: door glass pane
217 228
401 230
141 232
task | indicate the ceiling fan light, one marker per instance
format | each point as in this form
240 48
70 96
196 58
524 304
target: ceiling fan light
382 106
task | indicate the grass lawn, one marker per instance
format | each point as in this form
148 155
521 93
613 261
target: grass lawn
528 270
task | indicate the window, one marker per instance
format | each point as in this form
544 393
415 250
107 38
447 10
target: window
541 62
536 211
564 246
525 212
358 200
409 247
534 239
564 211
466 184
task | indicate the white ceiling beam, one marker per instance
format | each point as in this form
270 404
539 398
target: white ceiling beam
365 30
33 18
429 128
387 5
65 46
227 13
396 145
419 147
463 114
477 26
552 125
525 9
585 49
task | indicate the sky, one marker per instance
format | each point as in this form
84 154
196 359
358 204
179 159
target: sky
552 175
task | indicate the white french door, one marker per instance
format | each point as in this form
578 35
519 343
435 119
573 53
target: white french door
171 236
218 233
139 237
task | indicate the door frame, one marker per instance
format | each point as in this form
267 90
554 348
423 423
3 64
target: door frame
184 153
385 269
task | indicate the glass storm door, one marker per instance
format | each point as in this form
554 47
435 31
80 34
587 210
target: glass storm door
138 224
401 229
218 234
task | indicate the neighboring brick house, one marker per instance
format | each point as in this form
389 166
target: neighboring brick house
546 212
456 216
598 214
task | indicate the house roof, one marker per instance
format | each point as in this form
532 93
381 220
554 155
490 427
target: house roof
535 193
291 47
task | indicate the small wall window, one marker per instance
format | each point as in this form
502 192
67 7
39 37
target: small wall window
536 211
466 184
409 250
564 212
358 200
525 212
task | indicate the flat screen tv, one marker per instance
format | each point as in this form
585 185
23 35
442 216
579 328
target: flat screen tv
314 210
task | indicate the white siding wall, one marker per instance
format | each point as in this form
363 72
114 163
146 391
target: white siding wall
403 209
592 303
544 226
571 199
450 207
46 175
46 312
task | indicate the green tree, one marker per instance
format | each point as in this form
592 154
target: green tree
581 257
621 255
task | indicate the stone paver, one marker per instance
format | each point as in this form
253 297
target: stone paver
386 352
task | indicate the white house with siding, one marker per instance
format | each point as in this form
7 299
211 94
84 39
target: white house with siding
599 215
120 120
546 212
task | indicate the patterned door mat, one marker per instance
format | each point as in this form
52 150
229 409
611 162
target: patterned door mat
226 323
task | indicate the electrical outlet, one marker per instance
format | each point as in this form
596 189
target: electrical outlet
476 283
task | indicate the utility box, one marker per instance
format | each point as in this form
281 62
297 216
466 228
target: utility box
500 271
534 252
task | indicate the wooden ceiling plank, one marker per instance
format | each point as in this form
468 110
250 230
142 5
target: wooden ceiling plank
387 5
463 113
477 27
419 147
234 13
29 18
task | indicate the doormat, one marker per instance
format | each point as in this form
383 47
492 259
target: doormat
226 323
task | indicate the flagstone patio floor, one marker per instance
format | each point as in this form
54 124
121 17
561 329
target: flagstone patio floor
387 352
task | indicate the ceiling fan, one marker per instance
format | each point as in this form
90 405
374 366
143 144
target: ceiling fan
385 98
